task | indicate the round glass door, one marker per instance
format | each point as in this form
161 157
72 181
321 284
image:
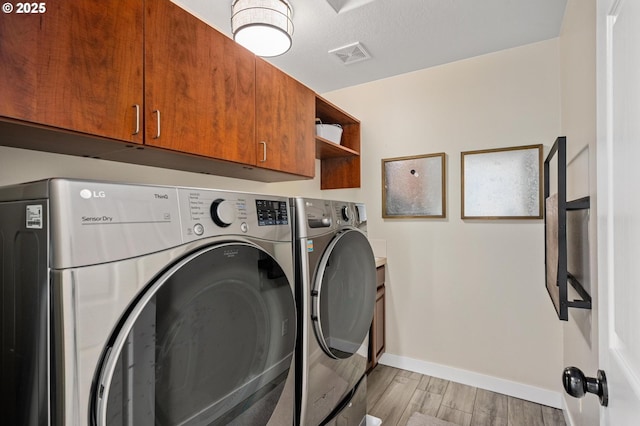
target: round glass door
209 343
344 294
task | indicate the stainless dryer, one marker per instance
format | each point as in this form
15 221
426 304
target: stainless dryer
336 290
145 305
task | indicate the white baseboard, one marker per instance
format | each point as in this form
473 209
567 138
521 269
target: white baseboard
483 381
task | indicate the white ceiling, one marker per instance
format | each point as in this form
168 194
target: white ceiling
400 35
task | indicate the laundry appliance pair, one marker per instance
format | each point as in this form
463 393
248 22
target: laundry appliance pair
145 305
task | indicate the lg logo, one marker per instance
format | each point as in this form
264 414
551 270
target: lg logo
88 194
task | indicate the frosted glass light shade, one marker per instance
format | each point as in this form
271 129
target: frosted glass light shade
262 26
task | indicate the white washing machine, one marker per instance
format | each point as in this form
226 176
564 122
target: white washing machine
145 305
336 291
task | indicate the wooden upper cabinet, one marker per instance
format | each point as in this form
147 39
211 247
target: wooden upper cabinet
76 66
149 72
199 87
285 122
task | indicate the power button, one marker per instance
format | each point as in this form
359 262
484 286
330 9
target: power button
198 229
244 227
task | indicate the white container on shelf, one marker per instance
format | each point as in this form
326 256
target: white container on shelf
330 132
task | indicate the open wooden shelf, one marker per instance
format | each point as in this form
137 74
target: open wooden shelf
340 167
328 149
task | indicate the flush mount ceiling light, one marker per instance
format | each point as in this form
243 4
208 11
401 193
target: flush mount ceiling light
262 26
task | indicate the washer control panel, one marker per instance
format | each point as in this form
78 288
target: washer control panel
318 216
344 212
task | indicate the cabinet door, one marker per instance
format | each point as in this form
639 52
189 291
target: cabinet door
379 324
285 125
77 65
377 331
199 87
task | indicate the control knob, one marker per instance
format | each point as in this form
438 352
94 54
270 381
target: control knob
223 212
346 215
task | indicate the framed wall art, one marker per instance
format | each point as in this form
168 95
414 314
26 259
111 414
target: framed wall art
414 187
504 183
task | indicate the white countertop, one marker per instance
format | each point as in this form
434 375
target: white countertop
380 261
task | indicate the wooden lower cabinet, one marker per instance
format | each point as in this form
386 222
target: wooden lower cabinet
377 331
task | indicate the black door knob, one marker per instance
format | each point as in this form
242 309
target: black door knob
578 385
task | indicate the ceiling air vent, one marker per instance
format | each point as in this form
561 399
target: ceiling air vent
351 53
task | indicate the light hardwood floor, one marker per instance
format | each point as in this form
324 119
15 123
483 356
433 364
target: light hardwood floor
393 395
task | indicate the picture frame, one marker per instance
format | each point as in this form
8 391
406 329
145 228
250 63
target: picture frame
502 183
414 187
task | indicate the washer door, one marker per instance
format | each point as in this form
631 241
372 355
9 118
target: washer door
210 342
344 294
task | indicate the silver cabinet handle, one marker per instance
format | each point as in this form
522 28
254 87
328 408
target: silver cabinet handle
264 151
137 108
157 112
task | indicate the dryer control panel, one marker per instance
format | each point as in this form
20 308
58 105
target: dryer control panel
95 222
207 213
272 212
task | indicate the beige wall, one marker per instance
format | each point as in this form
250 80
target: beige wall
578 65
465 295
465 298
18 165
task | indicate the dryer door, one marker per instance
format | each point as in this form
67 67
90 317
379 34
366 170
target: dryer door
209 342
344 294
